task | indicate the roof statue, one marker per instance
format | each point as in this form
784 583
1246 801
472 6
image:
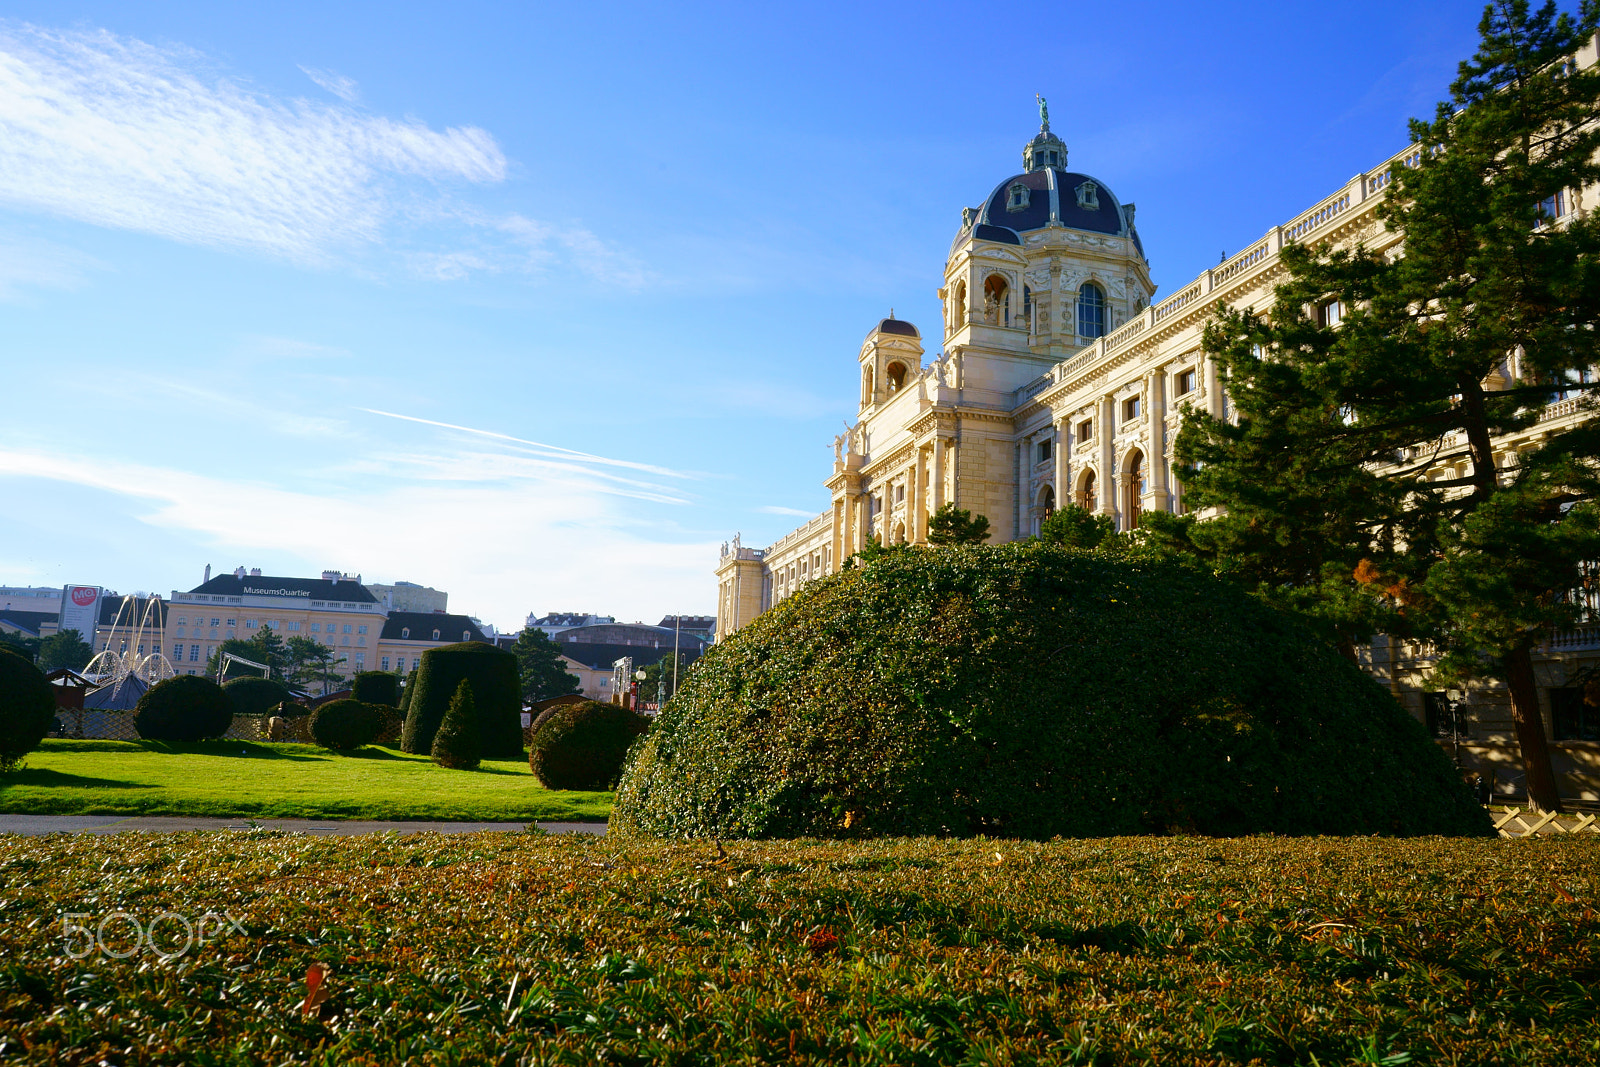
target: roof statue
1044 113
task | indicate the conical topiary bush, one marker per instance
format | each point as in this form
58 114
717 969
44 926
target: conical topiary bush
456 743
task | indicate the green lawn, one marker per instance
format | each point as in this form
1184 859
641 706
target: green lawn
510 949
248 779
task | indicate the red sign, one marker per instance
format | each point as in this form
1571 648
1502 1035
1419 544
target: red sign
83 595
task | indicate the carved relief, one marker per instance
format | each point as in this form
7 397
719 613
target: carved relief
1039 278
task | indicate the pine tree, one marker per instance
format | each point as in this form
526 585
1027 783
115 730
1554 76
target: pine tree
539 666
1488 317
456 745
951 525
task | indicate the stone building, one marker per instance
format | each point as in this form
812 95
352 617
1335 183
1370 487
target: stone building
1060 377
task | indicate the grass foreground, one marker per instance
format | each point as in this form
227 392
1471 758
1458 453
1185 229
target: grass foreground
242 779
527 949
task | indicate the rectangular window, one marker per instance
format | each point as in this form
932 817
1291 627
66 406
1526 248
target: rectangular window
1552 208
1130 409
1572 718
1184 382
294 627
361 629
233 622
384 663
249 624
400 664
346 627
1085 430
182 620
216 622
316 627
1044 451
194 653
1331 313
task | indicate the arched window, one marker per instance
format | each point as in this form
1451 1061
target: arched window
958 306
405 631
1017 197
1086 492
466 635
1133 490
897 377
866 386
1047 503
1091 311
1027 308
996 306
436 635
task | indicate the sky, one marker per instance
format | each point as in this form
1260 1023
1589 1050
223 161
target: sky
539 304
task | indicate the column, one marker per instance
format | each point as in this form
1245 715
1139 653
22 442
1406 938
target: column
1155 385
938 471
1108 456
914 519
1063 464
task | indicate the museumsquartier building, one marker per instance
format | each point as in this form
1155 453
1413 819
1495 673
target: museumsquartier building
1060 377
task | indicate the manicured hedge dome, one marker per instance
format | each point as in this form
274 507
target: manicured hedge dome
1028 690
496 694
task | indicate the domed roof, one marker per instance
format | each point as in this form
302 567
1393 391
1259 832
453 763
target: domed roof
894 325
1047 194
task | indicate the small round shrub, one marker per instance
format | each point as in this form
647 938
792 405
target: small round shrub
345 724
255 696
1030 690
27 708
583 745
185 708
377 687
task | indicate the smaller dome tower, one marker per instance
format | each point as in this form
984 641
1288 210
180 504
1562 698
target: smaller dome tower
1046 149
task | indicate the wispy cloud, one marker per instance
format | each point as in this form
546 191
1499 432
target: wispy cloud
39 264
503 540
775 509
120 133
337 84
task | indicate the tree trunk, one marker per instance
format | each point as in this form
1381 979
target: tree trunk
1541 778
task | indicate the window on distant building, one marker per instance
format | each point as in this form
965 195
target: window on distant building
436 635
194 653
361 629
1044 451
400 664
182 620
1085 430
316 627
1091 311
1017 197
216 622
233 622
466 635
294 627
1130 410
347 628
405 631
383 664
1573 718
1184 382
360 660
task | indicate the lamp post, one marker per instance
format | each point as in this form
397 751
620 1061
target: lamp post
633 691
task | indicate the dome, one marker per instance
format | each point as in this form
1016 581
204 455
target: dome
894 325
1047 194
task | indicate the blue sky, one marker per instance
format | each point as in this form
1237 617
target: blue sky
539 304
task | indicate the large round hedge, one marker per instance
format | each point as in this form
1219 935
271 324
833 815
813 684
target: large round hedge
1030 690
495 693
377 687
255 696
186 708
27 708
582 745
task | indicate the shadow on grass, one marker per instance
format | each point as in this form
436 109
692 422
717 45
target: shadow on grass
41 776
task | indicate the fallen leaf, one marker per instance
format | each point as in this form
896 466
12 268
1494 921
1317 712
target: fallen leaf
317 989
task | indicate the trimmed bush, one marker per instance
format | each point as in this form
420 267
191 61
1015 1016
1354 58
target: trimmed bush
27 708
495 693
405 693
255 696
583 745
457 743
345 724
1030 690
377 687
186 708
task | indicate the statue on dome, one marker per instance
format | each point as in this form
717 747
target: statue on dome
1044 113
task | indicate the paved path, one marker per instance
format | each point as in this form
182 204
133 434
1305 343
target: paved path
113 824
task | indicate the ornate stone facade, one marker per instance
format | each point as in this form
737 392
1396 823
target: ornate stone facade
1059 379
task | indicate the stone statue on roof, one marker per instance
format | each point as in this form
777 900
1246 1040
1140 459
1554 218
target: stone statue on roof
1044 113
